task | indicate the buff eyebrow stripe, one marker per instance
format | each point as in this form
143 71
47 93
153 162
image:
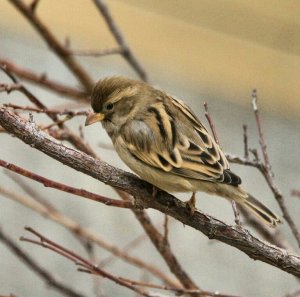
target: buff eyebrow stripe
161 127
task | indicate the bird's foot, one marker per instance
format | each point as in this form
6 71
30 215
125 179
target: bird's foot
236 214
191 204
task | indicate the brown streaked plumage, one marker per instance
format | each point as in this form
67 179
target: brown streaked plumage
161 139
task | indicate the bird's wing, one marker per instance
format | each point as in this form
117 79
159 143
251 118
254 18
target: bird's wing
180 146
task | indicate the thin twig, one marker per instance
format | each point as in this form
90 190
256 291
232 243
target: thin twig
20 181
214 132
295 193
88 267
245 139
165 250
65 188
211 123
129 246
75 228
68 112
43 81
55 45
21 88
260 131
36 268
116 32
64 132
91 53
10 87
79 260
268 174
33 5
178 291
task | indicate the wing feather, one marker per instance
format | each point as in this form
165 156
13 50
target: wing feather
169 143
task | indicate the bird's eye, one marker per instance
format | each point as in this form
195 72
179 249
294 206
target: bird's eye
109 106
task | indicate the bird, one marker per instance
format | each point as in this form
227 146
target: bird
161 139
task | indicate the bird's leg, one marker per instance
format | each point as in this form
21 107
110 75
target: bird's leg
191 204
236 213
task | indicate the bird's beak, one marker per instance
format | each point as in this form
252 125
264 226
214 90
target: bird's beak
93 118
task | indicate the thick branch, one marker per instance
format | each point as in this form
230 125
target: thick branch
142 191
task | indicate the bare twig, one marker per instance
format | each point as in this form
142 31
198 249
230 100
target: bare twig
91 53
9 87
33 5
211 124
49 212
28 189
54 44
116 32
65 188
68 112
277 194
21 88
214 132
164 249
260 131
245 139
43 81
267 173
85 265
36 268
295 193
131 245
63 133
178 291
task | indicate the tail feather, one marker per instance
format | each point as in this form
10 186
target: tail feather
261 211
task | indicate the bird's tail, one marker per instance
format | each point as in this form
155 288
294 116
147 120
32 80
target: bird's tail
261 211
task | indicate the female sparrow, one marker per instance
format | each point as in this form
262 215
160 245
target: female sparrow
161 139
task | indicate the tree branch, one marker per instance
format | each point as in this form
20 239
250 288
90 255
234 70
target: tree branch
142 191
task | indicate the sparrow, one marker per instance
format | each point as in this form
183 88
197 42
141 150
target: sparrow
160 138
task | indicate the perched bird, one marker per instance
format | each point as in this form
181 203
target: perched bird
161 139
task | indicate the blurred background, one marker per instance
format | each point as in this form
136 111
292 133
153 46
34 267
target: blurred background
198 50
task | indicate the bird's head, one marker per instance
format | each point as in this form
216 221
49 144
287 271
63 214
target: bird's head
115 100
